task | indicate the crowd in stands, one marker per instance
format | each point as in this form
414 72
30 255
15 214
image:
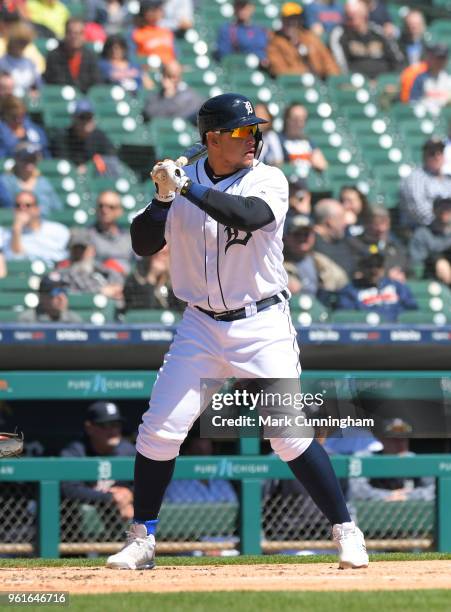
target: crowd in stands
342 246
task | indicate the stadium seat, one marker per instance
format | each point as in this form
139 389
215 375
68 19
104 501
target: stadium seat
25 267
21 283
426 318
355 316
167 317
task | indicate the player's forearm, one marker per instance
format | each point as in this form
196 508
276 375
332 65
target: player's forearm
238 212
147 229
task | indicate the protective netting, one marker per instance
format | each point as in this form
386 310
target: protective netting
288 517
18 511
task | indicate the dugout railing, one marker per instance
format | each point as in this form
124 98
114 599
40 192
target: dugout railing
252 471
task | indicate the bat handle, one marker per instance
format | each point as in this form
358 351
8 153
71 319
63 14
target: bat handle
181 161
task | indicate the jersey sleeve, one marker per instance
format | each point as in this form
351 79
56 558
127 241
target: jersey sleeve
269 184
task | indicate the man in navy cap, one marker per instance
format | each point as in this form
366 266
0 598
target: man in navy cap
102 438
83 141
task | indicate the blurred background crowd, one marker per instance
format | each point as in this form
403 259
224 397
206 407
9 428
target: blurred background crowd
357 95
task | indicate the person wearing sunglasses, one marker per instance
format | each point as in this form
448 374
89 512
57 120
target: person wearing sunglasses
53 306
222 218
111 242
32 237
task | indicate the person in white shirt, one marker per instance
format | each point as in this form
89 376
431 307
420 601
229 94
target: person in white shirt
32 237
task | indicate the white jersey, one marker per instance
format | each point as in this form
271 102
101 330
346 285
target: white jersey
219 268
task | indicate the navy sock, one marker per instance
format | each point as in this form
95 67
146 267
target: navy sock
151 481
314 470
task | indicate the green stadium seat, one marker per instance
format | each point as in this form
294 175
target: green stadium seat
167 317
420 317
12 299
10 315
429 288
355 316
6 216
21 283
72 217
306 309
433 303
24 267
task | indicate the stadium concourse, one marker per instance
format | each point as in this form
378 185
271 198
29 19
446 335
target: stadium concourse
369 138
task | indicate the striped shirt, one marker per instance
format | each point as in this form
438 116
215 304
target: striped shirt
418 192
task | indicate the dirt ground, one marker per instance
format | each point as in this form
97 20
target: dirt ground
312 577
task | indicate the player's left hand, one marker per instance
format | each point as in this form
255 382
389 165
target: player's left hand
169 175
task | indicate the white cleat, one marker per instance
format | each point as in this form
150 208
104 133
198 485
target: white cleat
351 546
138 552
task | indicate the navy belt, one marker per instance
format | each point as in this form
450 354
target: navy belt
247 311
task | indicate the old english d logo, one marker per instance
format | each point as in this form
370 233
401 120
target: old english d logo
233 237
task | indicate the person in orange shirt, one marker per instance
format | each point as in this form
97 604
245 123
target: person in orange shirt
149 37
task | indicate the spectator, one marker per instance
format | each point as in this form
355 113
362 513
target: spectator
431 244
72 63
112 244
330 230
432 87
411 40
150 37
356 209
178 16
6 86
11 20
31 237
211 491
83 142
315 270
372 291
16 126
83 274
25 176
296 50
53 303
174 97
24 72
149 285
3 268
271 152
116 68
112 15
361 46
394 442
378 238
379 15
242 36
446 152
48 16
321 16
102 438
297 148
423 185
299 197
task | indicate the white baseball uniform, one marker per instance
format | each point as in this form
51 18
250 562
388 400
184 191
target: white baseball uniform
219 269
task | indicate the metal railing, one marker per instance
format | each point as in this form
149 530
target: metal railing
252 471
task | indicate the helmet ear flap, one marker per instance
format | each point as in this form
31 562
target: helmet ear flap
258 143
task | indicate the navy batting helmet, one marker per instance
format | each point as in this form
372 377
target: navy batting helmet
225 112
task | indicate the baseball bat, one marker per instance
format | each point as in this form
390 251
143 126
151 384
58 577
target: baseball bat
192 154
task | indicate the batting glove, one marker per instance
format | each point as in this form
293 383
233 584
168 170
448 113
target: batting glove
163 192
169 176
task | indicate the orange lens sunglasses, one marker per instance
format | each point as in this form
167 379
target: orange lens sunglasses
243 132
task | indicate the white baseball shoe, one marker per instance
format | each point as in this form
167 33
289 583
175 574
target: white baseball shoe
138 552
351 546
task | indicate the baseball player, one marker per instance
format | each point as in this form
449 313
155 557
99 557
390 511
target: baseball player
222 218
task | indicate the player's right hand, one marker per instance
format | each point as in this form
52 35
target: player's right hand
164 193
